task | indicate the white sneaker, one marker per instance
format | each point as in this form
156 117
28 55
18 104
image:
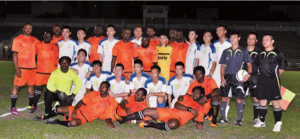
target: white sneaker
277 126
260 124
256 120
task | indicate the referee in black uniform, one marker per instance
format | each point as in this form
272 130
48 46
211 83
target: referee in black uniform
268 86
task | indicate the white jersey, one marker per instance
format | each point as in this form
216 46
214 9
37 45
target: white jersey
219 50
138 42
161 86
118 87
135 83
178 87
93 82
191 56
86 46
82 70
105 48
206 55
67 48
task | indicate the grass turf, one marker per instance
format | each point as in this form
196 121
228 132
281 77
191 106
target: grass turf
23 126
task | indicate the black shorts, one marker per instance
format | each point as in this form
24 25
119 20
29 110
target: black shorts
251 84
268 88
233 88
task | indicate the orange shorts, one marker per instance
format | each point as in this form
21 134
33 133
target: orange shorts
41 79
127 74
79 115
166 114
207 106
28 76
185 116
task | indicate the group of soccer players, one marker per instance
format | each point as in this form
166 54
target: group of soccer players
132 79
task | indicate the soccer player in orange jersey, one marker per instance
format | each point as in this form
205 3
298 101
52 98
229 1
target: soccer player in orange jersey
179 49
154 41
133 104
45 65
95 40
97 104
147 54
186 108
56 37
211 106
124 52
24 61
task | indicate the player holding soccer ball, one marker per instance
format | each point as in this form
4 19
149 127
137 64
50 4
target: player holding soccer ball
232 60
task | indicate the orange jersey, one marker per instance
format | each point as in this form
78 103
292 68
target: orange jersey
186 115
94 106
209 84
179 53
125 52
25 48
56 50
45 57
94 55
148 56
133 105
154 42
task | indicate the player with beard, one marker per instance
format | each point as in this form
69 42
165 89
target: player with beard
154 41
147 54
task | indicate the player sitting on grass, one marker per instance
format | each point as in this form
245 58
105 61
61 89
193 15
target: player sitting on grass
133 104
186 108
95 105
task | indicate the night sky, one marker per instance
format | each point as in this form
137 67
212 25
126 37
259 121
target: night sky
227 10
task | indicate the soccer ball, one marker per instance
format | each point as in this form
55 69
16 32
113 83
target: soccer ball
240 74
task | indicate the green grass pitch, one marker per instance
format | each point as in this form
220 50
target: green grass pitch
23 126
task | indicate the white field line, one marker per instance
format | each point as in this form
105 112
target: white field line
20 109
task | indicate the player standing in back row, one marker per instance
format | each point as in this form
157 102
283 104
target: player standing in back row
95 40
268 86
67 46
24 61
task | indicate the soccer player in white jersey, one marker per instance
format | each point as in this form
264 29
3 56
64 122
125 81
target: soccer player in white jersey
207 54
82 44
138 78
67 45
156 88
97 77
178 84
221 44
192 60
81 68
106 46
119 89
137 38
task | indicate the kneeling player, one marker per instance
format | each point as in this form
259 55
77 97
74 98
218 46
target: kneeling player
133 104
186 108
95 105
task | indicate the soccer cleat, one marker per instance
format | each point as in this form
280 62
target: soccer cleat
51 121
277 126
206 117
222 121
119 119
14 111
39 118
37 108
256 120
144 124
210 118
213 123
260 124
238 122
32 110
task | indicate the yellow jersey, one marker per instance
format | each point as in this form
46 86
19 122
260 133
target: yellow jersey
164 55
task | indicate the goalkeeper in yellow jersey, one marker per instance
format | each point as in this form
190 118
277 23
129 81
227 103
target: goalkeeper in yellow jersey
59 88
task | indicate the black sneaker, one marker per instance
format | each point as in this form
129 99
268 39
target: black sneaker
32 109
38 118
238 122
51 121
222 121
